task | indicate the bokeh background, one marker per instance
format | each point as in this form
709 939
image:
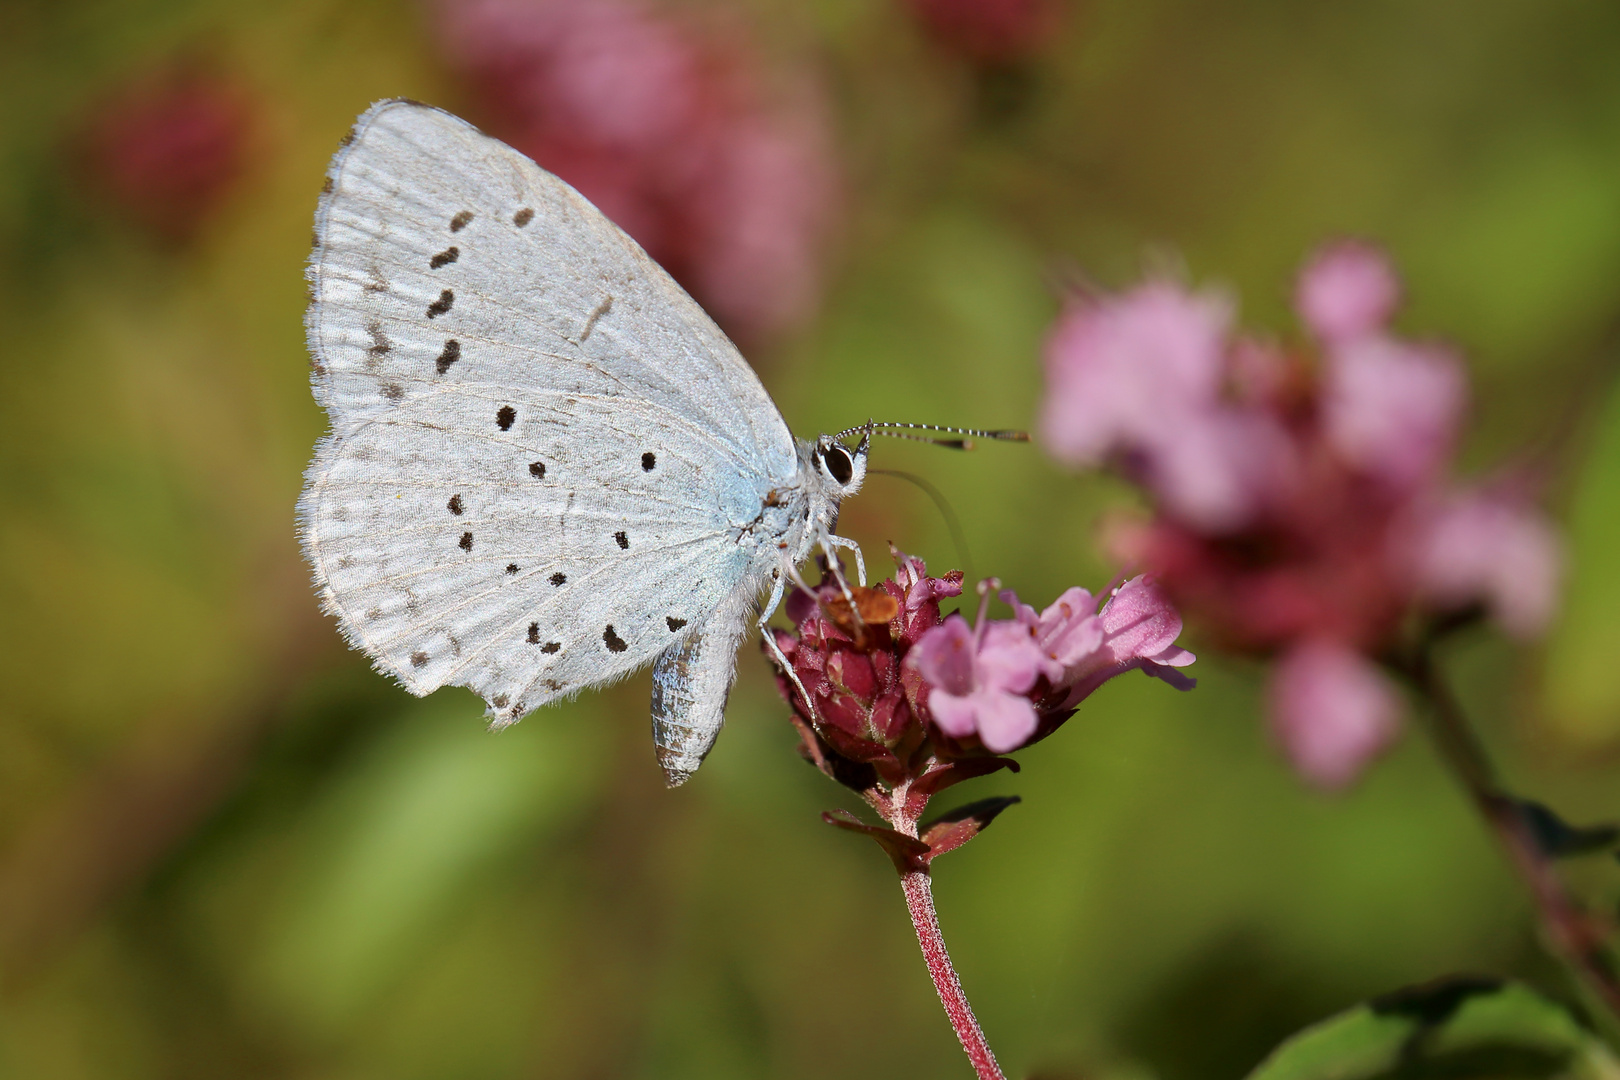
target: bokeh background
227 848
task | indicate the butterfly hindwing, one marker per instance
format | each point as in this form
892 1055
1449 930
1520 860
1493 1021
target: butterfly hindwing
451 559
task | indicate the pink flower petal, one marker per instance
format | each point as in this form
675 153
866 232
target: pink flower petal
1347 290
944 656
1008 659
1124 369
1332 711
1005 721
1140 621
1391 408
1479 547
956 716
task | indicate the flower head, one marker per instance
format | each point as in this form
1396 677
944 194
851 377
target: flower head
1010 682
169 147
898 701
666 126
1301 508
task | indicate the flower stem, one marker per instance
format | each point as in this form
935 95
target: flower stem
1574 934
920 903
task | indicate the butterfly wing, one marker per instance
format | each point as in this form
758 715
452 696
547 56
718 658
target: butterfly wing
541 448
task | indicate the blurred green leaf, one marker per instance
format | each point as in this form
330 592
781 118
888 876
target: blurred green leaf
409 832
1461 1027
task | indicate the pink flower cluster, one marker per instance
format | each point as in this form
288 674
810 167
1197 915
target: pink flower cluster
904 687
666 127
1303 508
997 681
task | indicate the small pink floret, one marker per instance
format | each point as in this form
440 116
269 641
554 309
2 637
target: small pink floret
1348 290
1480 547
1332 711
1392 409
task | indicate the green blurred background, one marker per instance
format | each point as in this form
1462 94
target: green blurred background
227 848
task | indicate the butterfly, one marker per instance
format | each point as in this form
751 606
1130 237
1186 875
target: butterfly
547 467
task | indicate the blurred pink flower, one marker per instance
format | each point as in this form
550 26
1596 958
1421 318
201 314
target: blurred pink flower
1347 290
987 31
167 149
1487 547
667 128
1138 379
1332 711
1295 502
1391 409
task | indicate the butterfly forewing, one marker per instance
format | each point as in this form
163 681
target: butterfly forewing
542 449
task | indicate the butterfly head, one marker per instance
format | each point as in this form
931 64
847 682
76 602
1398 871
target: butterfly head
840 468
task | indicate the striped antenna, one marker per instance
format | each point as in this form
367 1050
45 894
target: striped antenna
905 429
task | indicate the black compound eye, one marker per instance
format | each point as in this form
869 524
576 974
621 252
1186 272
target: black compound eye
839 464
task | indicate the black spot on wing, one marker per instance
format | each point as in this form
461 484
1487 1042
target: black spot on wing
441 305
394 392
623 539
523 217
451 353
327 185
551 646
649 461
465 543
444 258
534 633
674 623
499 701
613 641
505 417
418 659
537 469
455 505
461 220
511 568
558 578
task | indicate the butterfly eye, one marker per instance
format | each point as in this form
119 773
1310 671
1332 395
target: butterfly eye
839 464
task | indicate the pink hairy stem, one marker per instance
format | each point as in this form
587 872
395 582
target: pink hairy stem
920 904
1574 934
918 888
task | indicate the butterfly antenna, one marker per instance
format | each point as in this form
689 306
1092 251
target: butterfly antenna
952 522
905 431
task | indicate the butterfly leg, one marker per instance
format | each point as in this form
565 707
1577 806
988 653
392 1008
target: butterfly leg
833 540
770 637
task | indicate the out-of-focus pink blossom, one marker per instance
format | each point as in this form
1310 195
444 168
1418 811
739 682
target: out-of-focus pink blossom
1138 379
667 127
987 31
167 149
1391 409
1326 514
1486 547
1332 711
1347 290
